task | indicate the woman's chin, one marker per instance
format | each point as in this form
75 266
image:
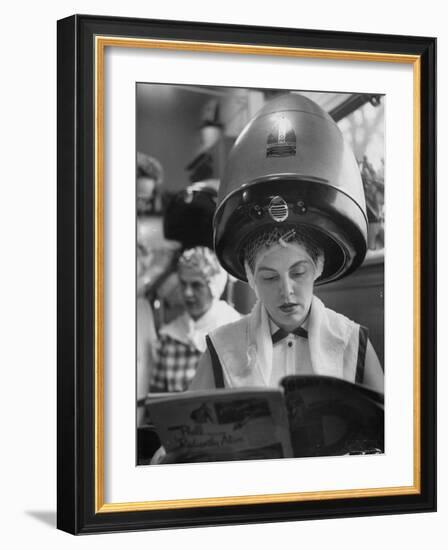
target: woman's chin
289 319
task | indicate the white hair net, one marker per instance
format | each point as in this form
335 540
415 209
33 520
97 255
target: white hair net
203 261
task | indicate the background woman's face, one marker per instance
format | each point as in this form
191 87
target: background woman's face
195 291
284 277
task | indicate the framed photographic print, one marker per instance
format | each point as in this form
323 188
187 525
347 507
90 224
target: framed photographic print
246 274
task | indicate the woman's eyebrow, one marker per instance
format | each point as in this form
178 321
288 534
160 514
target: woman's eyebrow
298 263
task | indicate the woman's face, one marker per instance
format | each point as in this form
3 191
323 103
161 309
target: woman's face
284 278
195 291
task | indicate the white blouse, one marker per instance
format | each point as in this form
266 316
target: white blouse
291 355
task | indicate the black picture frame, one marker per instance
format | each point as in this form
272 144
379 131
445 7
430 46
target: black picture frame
80 507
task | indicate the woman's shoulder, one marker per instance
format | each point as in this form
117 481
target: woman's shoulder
176 330
338 324
226 312
340 319
234 328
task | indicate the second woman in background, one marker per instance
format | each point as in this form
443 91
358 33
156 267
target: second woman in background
182 342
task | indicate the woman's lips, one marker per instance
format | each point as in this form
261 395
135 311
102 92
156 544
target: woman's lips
289 307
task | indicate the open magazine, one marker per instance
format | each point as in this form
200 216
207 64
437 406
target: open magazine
304 416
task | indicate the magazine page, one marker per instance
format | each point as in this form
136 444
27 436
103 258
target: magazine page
216 425
329 416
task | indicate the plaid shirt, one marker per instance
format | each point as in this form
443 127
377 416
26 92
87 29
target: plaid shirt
175 367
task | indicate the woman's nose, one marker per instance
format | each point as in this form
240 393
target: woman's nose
286 287
188 291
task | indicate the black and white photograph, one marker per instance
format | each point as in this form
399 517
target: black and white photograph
260 253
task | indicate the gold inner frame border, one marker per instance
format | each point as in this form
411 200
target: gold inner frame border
100 44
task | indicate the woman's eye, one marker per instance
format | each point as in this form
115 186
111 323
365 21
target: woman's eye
296 274
272 278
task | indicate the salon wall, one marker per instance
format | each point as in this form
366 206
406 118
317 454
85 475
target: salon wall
167 111
28 276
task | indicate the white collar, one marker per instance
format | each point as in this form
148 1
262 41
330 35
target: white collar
186 330
273 327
